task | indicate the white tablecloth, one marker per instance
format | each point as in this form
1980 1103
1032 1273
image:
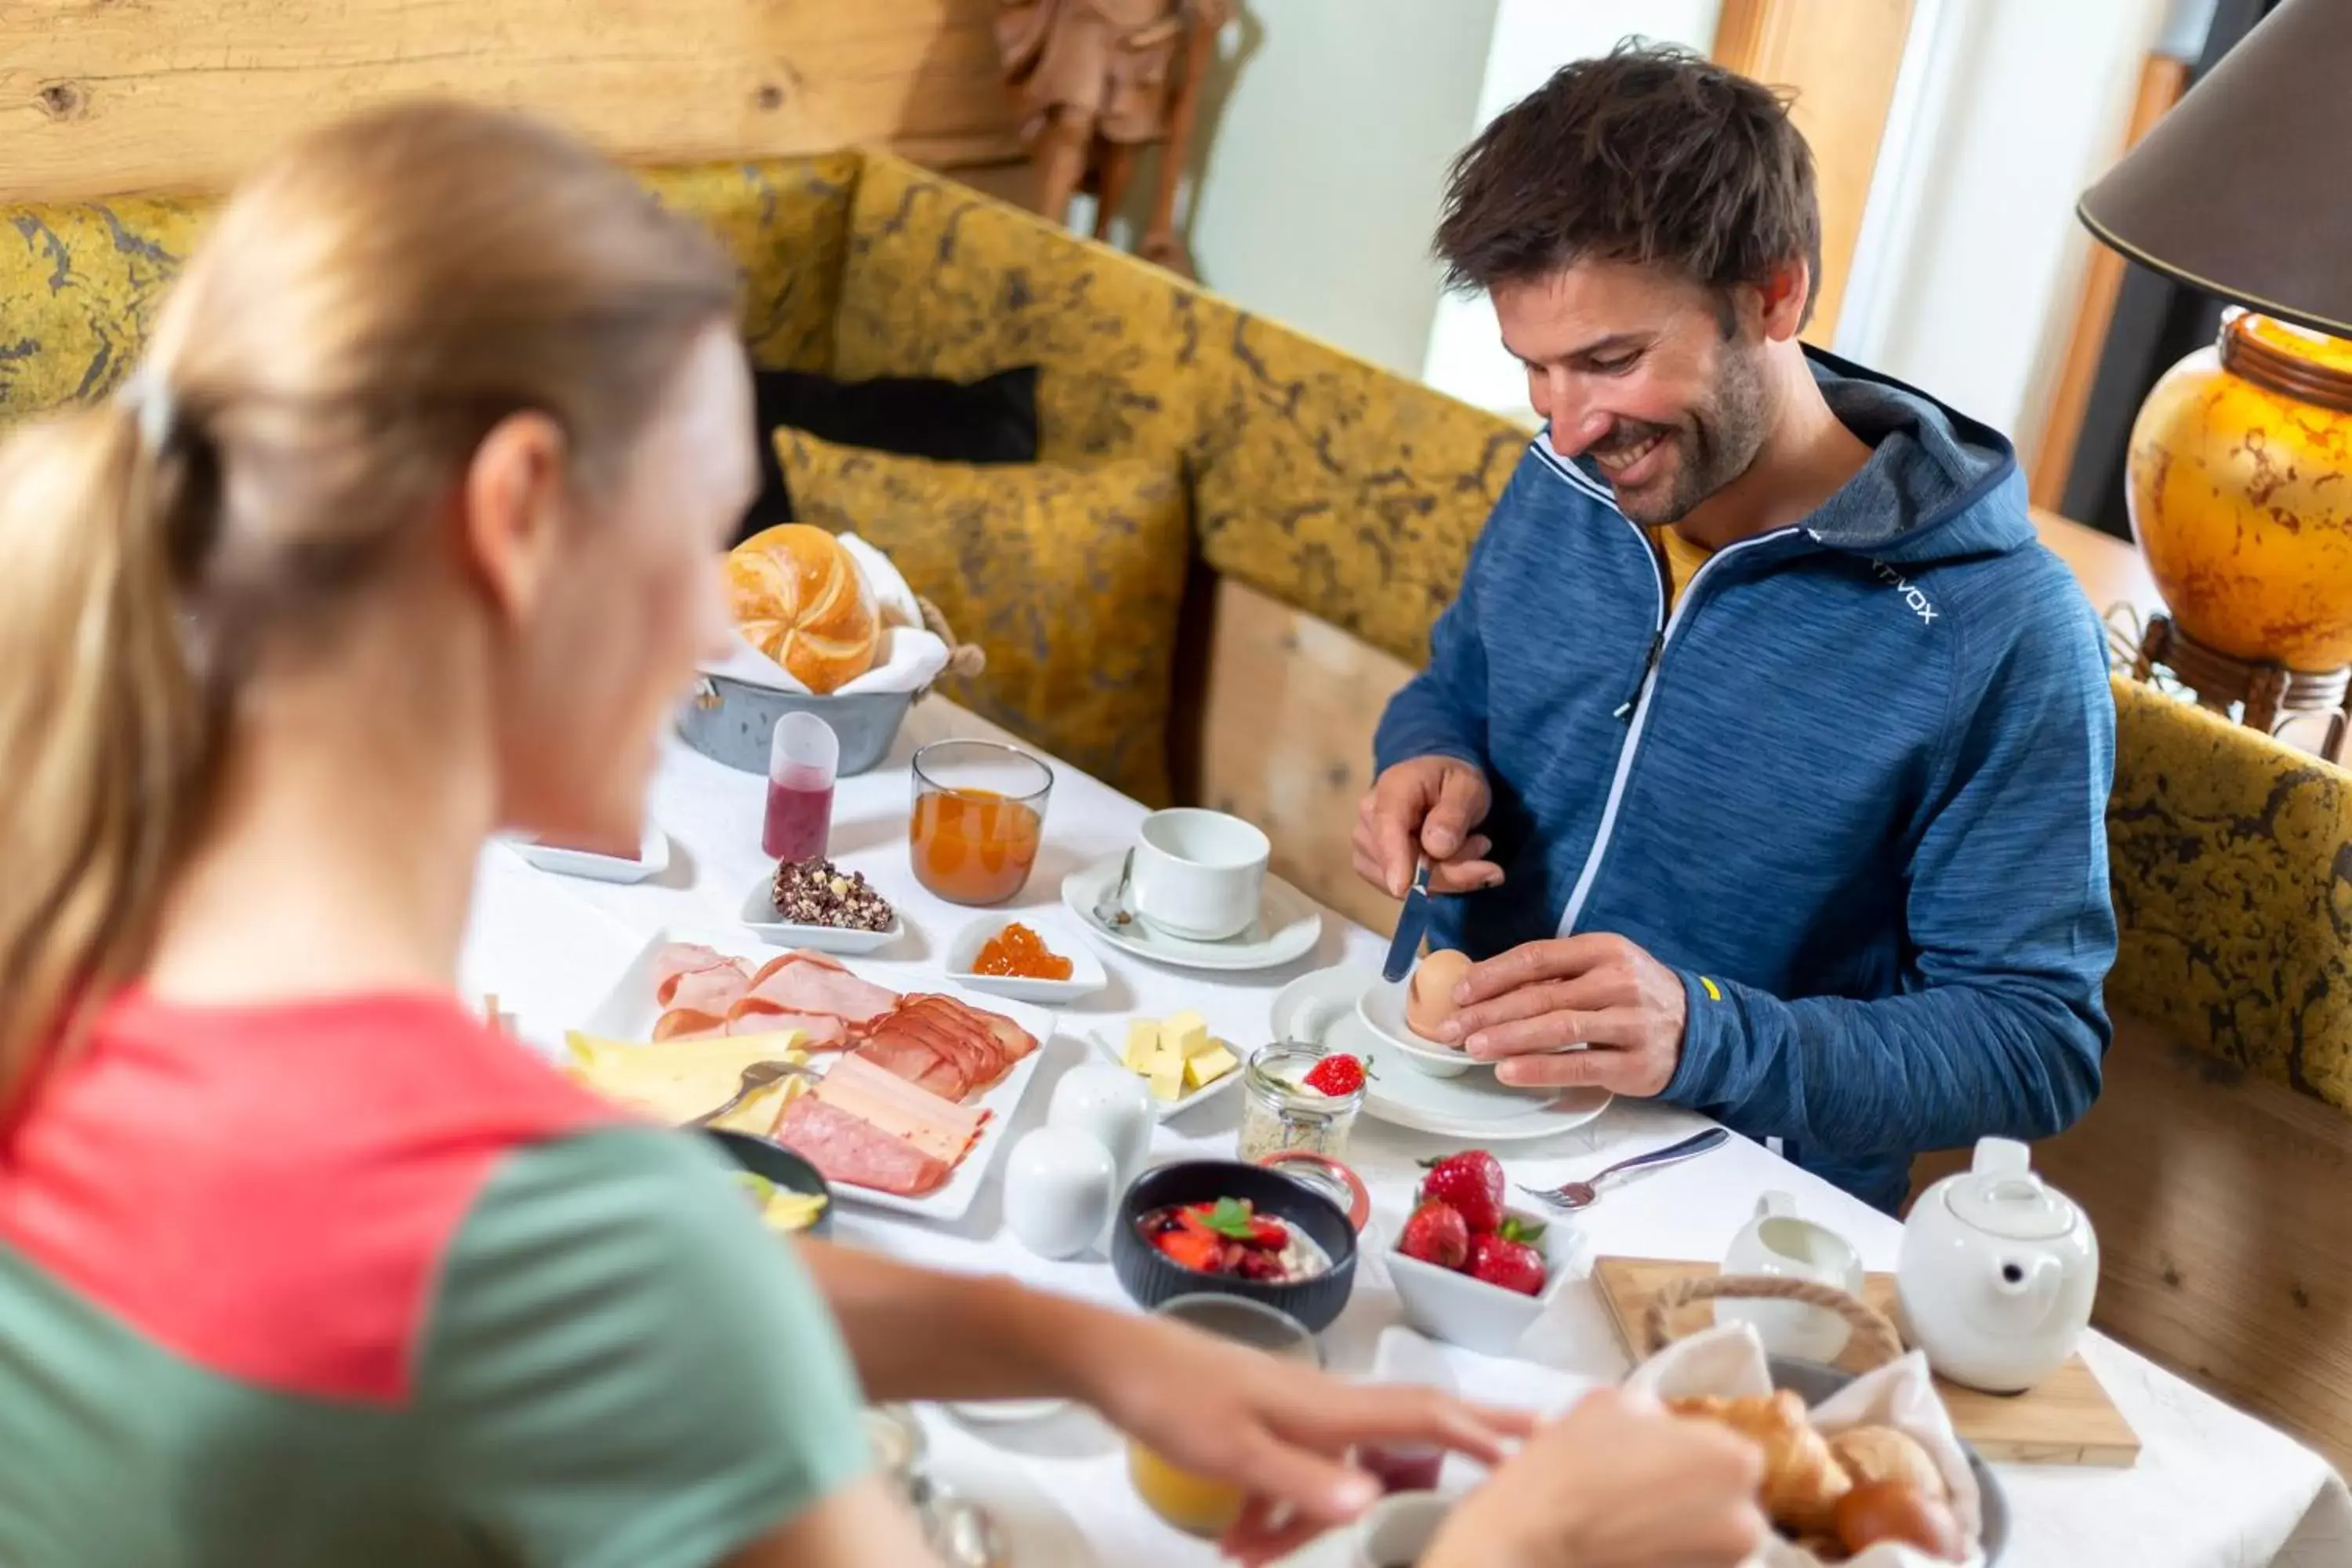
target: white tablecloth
2212 1488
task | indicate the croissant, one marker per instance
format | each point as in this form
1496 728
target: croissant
1884 1453
1802 1480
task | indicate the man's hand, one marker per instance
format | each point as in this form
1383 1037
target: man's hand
1425 805
1529 1007
1615 1483
1279 1428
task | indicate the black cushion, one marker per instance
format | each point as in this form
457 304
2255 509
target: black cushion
991 420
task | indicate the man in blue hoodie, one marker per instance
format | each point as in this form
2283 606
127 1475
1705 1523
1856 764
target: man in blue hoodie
1765 749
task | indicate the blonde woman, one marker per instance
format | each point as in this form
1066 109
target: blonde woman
406 529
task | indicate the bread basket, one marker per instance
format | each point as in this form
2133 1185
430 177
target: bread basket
731 721
1875 1336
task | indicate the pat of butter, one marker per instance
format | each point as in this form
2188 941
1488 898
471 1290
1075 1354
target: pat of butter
1167 1076
1209 1065
1142 1045
1188 1032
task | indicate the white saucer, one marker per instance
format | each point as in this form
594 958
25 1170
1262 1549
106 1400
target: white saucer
1288 925
1473 1106
1381 1007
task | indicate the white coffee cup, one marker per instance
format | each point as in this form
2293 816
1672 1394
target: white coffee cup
1396 1531
1777 1243
1199 874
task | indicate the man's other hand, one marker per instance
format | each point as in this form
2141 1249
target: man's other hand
1426 806
1530 1008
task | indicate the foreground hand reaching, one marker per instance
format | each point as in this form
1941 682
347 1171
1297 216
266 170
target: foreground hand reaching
1615 1483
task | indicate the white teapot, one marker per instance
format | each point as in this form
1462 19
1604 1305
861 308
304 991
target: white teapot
1997 1273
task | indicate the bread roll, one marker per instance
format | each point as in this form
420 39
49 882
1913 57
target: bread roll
798 598
1802 1480
1884 1453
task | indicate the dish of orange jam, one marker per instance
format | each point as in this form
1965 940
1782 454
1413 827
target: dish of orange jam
1017 952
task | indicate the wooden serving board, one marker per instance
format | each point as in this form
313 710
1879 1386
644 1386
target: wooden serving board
2068 1420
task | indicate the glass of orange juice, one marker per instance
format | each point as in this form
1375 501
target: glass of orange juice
979 813
1195 1504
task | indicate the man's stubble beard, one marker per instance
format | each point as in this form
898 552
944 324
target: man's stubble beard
1722 441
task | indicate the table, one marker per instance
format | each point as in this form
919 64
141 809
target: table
2213 1486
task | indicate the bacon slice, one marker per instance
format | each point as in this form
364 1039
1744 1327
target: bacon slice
938 1127
852 1151
947 1046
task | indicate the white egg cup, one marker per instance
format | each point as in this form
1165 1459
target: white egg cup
1381 1007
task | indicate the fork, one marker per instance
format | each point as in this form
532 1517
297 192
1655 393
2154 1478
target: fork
1574 1196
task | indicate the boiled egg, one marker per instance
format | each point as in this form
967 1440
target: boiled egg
1429 995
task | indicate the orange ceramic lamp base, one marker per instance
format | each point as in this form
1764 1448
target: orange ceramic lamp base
2240 492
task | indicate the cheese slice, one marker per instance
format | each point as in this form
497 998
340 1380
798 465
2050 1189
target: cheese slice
1166 1075
1188 1032
1142 1045
676 1081
1209 1065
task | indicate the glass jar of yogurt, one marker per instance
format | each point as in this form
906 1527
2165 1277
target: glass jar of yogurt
1280 1114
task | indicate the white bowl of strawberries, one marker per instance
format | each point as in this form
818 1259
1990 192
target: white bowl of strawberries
1468 1268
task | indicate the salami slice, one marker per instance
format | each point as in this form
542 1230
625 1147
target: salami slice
854 1151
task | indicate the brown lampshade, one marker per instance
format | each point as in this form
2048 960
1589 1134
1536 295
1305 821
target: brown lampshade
2238 189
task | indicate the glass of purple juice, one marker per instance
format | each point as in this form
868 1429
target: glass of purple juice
804 757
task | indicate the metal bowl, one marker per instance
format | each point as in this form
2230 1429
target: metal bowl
1813 1382
733 723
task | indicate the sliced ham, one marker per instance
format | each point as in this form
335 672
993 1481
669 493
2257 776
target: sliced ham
689 1023
712 991
938 1127
852 1151
802 981
918 1063
945 1045
678 960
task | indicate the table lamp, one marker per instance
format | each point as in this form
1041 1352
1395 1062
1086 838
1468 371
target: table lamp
2240 469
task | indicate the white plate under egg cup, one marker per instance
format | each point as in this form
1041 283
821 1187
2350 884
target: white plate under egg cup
1287 927
653 859
1087 972
1477 1108
760 918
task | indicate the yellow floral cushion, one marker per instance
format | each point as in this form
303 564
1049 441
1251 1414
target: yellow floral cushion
81 284
1070 578
2229 854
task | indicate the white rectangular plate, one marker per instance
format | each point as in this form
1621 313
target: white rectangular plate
1087 973
1115 1052
843 942
627 1012
653 859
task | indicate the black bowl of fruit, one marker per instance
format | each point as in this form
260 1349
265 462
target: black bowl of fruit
1240 1230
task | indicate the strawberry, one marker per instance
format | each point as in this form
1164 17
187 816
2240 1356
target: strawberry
1192 1249
1435 1234
1336 1076
1501 1260
1472 1182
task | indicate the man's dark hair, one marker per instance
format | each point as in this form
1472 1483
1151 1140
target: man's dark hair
1647 154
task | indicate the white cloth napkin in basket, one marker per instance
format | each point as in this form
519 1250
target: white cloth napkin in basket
1728 1362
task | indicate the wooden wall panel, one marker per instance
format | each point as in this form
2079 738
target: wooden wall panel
1840 57
99 97
2220 1201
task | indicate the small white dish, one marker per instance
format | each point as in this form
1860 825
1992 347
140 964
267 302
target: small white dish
653 859
1477 1108
759 917
1115 1051
1381 1007
1469 1312
1087 972
1287 927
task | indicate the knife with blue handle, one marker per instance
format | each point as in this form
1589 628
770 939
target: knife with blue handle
1412 924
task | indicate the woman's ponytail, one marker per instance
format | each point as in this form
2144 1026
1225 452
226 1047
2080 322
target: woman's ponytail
107 738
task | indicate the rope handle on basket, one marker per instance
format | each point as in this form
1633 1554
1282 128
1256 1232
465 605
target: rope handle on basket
965 660
1873 1334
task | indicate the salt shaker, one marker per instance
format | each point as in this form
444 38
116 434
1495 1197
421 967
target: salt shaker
1060 1191
1111 1106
